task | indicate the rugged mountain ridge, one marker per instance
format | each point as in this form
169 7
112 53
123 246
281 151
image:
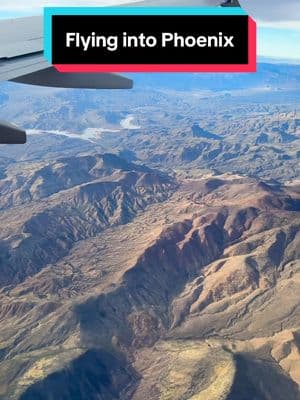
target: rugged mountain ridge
210 258
67 205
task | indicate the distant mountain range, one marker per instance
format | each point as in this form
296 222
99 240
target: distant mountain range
279 76
277 60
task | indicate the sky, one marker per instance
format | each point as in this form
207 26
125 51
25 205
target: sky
278 20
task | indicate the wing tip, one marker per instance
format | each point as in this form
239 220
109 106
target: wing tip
11 134
50 77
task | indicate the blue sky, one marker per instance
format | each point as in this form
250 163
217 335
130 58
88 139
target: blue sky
279 25
279 42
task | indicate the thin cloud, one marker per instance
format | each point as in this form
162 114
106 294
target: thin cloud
273 10
274 13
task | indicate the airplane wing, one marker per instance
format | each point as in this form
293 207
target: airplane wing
22 61
21 53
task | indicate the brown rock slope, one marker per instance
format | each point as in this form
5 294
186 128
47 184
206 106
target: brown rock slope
192 294
75 199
